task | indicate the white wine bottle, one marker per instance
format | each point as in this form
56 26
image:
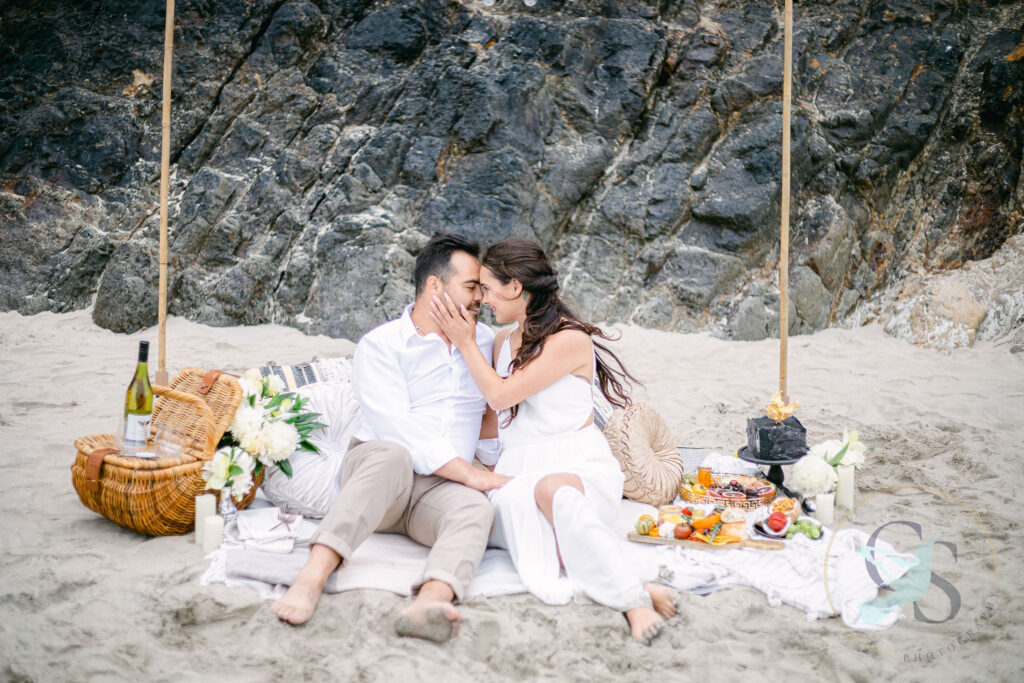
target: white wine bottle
138 404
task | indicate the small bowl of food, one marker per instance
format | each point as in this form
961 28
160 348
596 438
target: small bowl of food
787 506
776 524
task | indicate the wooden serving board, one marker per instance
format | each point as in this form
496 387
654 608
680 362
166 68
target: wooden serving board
755 543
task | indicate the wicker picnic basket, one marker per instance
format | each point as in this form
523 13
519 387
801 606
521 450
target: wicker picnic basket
156 496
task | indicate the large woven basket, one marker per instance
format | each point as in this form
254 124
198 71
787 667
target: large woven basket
157 496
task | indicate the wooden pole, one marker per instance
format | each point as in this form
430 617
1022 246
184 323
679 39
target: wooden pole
165 163
787 78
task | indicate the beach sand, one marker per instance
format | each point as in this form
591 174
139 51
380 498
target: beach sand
83 599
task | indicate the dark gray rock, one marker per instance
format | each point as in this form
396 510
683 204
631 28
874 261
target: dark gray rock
317 145
810 297
750 322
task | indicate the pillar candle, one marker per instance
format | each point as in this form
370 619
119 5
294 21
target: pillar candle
206 506
845 489
213 533
824 507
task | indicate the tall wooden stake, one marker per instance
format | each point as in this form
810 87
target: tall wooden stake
787 78
165 163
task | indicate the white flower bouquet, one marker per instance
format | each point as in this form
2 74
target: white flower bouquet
230 468
270 424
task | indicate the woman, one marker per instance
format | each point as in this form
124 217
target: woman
566 485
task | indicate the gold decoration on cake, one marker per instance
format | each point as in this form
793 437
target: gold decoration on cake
779 411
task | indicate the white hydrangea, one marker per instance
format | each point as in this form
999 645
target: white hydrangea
280 440
812 475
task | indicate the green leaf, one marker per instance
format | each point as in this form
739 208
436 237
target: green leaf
252 400
259 468
285 467
307 446
838 456
274 402
234 470
313 426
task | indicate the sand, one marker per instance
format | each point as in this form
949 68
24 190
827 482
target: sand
83 599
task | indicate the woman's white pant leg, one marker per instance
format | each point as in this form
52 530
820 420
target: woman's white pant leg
592 555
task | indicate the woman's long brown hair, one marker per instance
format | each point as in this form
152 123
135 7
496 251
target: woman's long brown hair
546 314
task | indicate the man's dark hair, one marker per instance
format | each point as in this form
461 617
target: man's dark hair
436 257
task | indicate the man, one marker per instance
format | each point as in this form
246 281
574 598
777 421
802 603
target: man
409 469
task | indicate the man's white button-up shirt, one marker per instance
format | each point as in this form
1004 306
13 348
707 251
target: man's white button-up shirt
413 390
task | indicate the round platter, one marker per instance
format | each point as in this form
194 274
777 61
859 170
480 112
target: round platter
712 497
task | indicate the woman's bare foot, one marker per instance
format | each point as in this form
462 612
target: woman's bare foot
644 624
663 600
431 616
298 604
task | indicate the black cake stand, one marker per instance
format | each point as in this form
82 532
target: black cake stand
775 474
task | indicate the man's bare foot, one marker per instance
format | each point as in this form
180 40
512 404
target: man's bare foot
663 600
298 604
644 624
431 616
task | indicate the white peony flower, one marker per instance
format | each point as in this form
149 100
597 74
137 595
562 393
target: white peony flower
828 450
280 440
246 420
253 442
812 475
252 382
277 385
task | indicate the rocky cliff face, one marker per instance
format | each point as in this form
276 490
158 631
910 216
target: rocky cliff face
317 145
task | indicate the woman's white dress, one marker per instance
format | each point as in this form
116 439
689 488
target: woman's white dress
546 437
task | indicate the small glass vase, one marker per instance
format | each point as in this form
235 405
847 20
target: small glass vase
228 509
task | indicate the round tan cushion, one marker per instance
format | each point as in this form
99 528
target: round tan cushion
647 453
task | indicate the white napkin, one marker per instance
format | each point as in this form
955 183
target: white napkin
729 464
269 529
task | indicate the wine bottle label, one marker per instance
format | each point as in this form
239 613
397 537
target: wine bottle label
136 430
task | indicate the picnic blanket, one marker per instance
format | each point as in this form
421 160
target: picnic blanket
794 576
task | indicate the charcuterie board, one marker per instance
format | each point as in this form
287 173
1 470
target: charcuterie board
755 543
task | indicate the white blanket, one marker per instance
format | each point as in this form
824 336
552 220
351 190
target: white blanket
794 576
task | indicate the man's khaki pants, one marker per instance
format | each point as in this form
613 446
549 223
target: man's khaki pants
380 492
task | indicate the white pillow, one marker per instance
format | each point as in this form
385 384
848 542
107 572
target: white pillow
314 480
